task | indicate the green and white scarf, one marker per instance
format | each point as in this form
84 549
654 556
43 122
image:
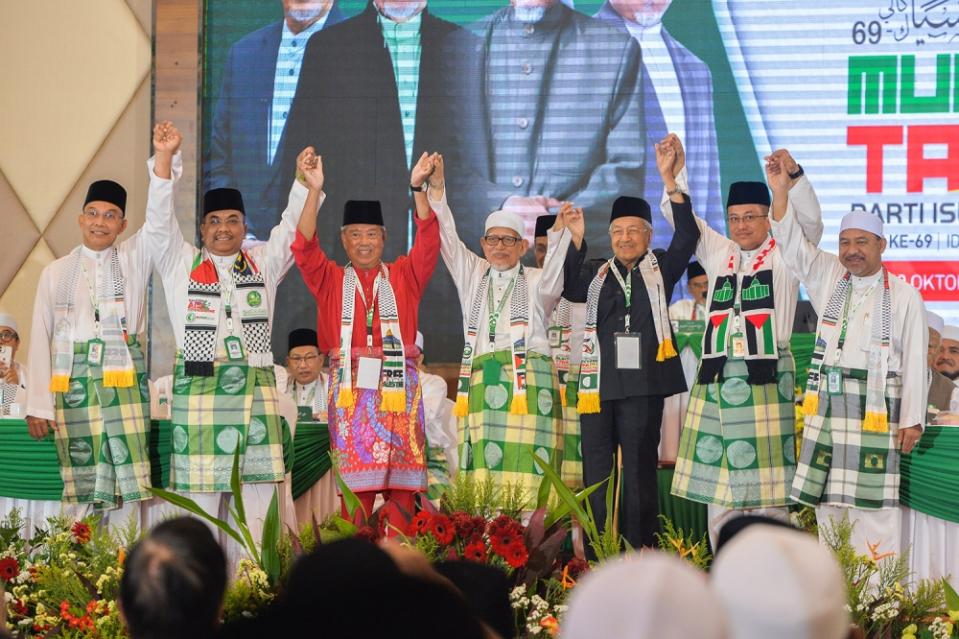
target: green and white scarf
589 401
755 303
875 418
393 376
518 324
204 298
562 325
118 369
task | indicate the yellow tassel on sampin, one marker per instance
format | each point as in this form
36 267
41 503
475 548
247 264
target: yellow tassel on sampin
59 384
518 406
119 379
874 422
666 350
393 402
462 405
562 395
810 404
345 399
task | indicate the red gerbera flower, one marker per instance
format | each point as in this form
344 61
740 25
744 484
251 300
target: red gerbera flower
475 551
502 541
9 569
421 522
463 524
516 555
81 532
501 524
442 529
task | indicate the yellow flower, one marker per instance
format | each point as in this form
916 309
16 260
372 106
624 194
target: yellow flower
953 615
909 632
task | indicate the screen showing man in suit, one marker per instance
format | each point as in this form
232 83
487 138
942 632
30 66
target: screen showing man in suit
537 102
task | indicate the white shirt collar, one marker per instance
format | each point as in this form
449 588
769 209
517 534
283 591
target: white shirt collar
287 36
507 274
641 33
869 280
223 261
94 255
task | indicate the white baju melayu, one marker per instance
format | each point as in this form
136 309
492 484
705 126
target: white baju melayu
174 257
713 252
820 272
135 265
321 500
439 421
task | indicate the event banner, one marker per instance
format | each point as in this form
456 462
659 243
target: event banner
536 102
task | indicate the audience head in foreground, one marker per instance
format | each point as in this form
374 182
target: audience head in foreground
777 582
649 595
173 582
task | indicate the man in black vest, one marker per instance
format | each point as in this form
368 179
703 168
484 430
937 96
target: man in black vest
629 362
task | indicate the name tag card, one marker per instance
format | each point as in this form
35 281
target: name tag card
95 352
368 373
628 351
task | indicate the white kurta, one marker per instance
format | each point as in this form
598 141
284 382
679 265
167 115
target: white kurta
686 309
19 392
714 249
674 406
545 285
173 256
820 272
134 256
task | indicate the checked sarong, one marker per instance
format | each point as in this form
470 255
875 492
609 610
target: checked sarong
495 442
840 463
572 468
103 435
738 444
213 416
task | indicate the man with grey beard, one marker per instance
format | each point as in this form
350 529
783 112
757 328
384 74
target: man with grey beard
253 104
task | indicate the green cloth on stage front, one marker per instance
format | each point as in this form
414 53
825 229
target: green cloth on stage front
312 446
686 515
929 476
29 469
801 345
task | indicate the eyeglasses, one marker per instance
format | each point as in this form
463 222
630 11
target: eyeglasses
745 219
107 216
302 359
506 240
8 336
372 235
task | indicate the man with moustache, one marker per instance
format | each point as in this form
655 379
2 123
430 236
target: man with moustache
87 379
864 402
253 104
507 399
221 301
737 449
940 387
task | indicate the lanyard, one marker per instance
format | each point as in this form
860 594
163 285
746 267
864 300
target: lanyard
846 313
94 298
495 313
627 286
369 307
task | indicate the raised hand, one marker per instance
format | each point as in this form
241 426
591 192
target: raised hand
166 138
665 158
777 177
785 159
422 170
438 176
680 160
309 169
574 220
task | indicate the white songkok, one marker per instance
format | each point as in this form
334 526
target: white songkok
505 219
936 322
950 331
6 319
862 221
649 595
776 582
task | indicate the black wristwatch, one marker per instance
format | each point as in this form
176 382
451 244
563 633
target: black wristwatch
797 174
418 189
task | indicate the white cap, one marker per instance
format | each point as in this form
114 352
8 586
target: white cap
647 595
419 340
776 582
950 331
6 319
935 322
505 219
862 221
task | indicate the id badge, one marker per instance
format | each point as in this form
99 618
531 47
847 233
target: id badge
368 373
234 348
95 352
555 335
738 342
491 372
628 351
834 382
